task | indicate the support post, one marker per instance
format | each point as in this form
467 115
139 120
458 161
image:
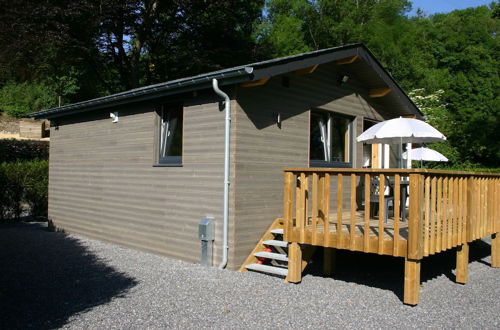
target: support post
412 282
415 224
329 260
495 250
288 205
462 270
294 263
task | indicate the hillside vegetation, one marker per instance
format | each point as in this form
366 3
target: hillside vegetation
79 50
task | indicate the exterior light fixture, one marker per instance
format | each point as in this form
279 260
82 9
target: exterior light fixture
114 115
342 79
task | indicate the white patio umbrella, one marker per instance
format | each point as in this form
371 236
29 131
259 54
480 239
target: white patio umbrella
401 130
425 154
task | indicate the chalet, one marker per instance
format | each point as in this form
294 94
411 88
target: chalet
142 167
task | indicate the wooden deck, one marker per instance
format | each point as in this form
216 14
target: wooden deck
331 208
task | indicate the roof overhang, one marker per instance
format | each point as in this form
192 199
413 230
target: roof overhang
246 73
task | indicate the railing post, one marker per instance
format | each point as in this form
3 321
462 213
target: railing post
412 282
288 205
415 247
495 250
462 269
294 263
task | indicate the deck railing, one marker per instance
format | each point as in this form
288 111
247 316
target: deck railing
332 208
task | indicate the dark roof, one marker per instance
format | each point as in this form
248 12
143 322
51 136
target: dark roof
370 67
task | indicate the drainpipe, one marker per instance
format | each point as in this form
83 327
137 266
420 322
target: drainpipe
227 109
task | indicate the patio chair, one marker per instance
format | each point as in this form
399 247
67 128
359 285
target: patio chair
375 194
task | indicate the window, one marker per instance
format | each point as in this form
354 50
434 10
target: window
170 144
330 139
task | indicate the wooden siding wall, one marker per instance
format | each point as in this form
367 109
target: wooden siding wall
103 184
262 148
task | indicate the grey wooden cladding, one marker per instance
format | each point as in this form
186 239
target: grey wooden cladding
103 183
262 148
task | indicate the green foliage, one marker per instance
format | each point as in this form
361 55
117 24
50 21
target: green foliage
449 61
19 100
24 178
118 45
83 49
24 188
21 150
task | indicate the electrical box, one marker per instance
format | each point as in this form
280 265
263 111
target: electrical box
206 229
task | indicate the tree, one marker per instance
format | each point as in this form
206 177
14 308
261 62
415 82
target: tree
453 57
115 45
18 100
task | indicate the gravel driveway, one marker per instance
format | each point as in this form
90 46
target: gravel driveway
52 280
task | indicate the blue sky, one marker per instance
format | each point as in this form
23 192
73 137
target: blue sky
444 6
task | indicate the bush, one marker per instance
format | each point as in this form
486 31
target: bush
19 100
21 150
25 188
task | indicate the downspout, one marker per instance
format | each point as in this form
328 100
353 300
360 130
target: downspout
227 109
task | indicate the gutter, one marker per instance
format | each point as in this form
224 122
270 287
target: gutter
227 137
229 76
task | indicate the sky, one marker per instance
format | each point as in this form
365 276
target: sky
444 6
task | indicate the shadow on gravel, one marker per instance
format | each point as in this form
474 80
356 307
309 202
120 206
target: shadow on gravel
387 273
47 277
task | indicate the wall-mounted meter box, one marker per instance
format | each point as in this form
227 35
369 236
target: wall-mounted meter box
206 229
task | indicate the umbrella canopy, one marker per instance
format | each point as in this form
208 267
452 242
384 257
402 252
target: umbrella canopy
401 130
425 154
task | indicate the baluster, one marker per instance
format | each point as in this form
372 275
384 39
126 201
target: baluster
381 213
397 210
326 209
305 195
340 193
314 206
460 206
352 225
450 213
439 220
444 238
432 248
366 231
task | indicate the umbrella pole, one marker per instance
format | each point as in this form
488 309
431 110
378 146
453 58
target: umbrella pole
401 154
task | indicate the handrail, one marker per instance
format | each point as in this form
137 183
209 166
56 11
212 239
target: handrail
389 170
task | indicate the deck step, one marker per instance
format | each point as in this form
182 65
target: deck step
270 255
268 269
275 243
278 231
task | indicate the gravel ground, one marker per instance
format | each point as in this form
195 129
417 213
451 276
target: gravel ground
53 280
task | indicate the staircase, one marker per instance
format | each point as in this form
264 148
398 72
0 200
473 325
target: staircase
270 255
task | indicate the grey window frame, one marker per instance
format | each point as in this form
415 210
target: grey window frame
350 128
163 123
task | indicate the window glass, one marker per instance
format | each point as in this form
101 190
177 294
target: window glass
330 139
340 139
170 135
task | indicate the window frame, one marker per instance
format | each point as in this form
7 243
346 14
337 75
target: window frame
350 140
169 161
